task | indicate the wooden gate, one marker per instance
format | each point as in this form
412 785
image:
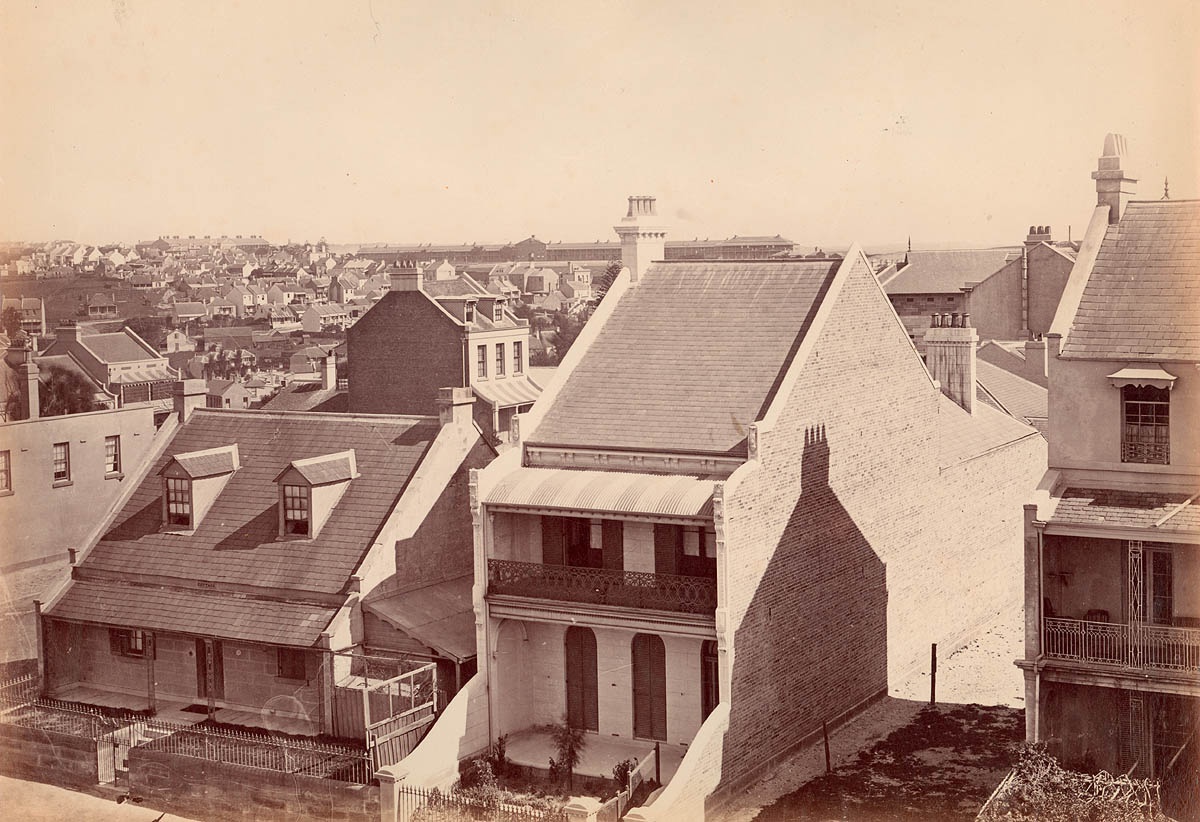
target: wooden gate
398 712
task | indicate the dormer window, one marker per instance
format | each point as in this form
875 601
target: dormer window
179 502
309 490
497 311
296 509
469 311
192 481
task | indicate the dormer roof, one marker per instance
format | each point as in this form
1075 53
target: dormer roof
323 470
207 463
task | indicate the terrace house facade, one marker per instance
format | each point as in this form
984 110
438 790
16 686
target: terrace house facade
256 554
725 524
1112 541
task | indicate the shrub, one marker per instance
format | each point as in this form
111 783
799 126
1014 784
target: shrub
569 744
1043 791
621 772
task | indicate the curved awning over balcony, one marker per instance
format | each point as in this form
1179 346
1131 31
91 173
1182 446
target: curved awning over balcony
604 492
507 393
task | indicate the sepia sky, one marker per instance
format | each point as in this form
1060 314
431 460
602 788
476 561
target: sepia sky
488 121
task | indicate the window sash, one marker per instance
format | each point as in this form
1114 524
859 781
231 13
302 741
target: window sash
290 664
62 461
499 359
517 358
5 471
481 354
1146 432
112 454
179 502
296 509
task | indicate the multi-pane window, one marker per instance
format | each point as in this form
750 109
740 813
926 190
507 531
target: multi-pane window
499 359
179 502
127 642
62 461
295 509
1145 432
518 366
291 663
481 360
497 311
5 472
470 311
112 455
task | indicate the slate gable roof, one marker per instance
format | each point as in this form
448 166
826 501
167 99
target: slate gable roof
1016 395
689 358
237 540
118 346
1141 295
946 272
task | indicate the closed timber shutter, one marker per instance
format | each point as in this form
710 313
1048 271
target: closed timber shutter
582 693
649 687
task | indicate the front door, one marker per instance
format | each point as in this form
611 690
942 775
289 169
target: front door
709 690
649 687
206 660
582 693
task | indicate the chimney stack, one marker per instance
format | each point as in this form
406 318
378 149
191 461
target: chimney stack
27 373
188 396
1038 234
329 372
950 356
67 330
643 239
1113 188
406 277
455 406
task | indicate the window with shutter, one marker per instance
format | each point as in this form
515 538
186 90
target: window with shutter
649 687
581 675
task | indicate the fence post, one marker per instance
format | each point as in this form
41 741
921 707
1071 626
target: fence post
933 674
657 763
825 733
391 808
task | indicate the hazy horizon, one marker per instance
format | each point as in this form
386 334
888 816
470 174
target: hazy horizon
487 122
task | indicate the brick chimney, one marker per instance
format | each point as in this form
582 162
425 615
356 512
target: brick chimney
950 356
27 373
406 277
67 330
643 239
1038 234
188 396
1113 188
455 406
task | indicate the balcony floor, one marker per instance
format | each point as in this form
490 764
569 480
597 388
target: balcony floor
533 748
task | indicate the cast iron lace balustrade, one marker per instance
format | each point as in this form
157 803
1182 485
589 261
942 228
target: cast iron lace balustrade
601 586
1155 647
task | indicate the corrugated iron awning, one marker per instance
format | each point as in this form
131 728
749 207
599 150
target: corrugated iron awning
507 393
605 492
142 375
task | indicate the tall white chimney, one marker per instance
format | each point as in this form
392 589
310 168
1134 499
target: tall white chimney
950 357
1113 188
643 238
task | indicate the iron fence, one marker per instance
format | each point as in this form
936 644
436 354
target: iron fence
603 586
1155 647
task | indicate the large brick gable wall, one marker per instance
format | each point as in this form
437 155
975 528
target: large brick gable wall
848 548
400 353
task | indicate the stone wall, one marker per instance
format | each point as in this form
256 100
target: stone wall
46 756
199 789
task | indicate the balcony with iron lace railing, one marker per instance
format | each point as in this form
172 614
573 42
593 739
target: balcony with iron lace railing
603 586
1141 646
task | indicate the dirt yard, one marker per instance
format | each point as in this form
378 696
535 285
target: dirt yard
904 760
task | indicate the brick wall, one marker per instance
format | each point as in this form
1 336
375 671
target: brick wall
45 756
848 550
442 548
198 789
400 353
